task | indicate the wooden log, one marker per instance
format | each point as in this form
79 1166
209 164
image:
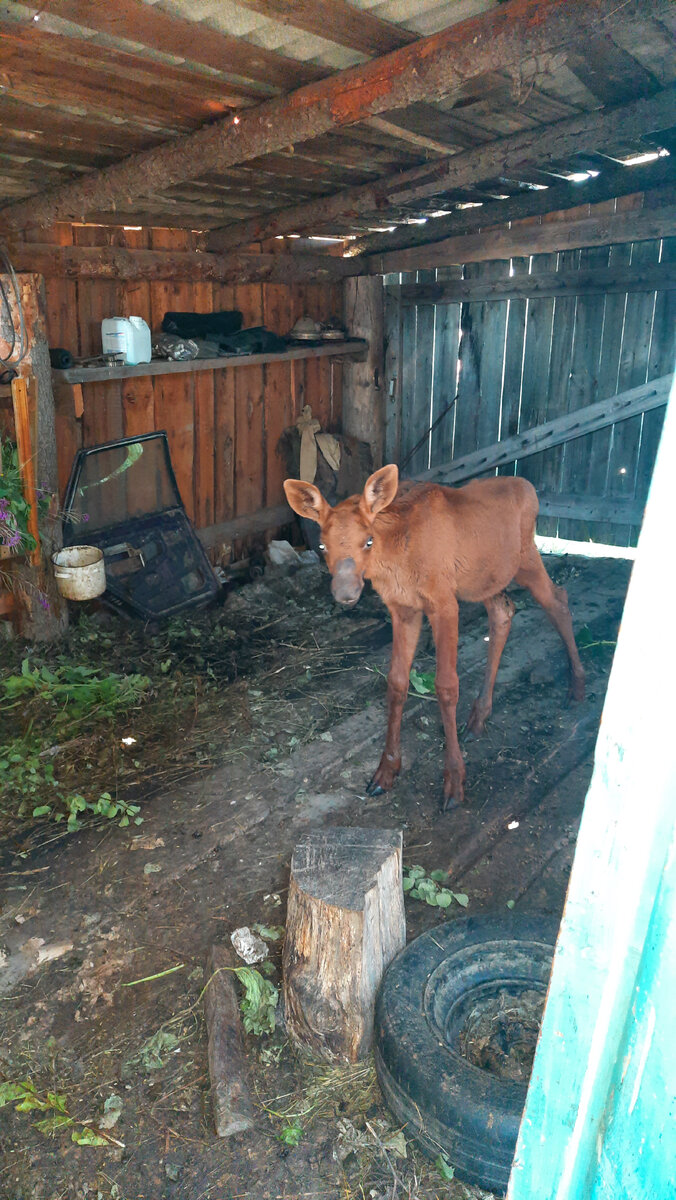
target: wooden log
345 923
498 40
230 1095
591 282
117 262
553 433
530 239
507 156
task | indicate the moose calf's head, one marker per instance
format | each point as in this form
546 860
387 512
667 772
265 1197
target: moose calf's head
348 534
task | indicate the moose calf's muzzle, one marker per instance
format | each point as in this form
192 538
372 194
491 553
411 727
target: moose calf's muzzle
346 583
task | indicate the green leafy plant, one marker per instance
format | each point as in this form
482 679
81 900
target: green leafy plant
587 642
75 691
291 1134
259 1001
444 1167
28 776
271 933
14 509
421 886
25 1098
422 682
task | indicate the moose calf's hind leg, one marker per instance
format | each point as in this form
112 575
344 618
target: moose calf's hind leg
445 629
532 575
406 623
500 611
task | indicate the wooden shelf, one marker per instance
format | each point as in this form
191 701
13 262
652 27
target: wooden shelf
352 349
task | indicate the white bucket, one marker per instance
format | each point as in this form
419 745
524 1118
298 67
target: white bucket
80 572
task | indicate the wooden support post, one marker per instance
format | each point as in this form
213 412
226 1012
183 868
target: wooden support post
364 382
25 423
43 611
345 923
230 1097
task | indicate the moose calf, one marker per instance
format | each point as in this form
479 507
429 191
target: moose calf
424 547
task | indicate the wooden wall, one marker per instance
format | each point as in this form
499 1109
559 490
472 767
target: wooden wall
518 363
224 425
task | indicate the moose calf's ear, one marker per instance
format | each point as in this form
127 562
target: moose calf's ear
306 500
380 490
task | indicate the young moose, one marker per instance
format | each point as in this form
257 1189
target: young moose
424 547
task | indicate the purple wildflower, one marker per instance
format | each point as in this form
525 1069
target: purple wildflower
85 516
44 602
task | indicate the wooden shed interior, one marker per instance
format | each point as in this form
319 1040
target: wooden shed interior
484 191
481 194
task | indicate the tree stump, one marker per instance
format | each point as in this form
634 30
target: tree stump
345 923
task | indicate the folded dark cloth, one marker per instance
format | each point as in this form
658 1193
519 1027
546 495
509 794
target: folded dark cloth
252 341
203 325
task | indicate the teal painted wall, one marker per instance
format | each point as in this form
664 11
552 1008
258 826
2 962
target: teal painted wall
599 1118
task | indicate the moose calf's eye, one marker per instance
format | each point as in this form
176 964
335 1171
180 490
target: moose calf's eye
322 546
369 543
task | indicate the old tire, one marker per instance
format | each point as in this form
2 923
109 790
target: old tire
448 1104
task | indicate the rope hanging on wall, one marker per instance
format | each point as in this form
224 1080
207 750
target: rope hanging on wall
7 268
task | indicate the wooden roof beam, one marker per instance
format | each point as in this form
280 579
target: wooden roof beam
118 263
500 39
507 156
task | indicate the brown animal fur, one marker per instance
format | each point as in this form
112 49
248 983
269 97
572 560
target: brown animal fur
430 547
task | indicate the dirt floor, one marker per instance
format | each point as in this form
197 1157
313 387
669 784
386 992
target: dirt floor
260 719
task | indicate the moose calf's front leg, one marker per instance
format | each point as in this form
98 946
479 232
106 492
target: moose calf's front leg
406 623
445 629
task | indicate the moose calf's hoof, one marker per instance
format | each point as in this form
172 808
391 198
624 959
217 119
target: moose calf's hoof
373 788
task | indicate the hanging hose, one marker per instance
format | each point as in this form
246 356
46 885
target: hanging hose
7 268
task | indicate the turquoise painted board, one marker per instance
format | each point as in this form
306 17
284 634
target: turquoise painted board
599 1117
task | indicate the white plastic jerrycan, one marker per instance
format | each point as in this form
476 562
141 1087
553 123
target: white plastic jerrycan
126 337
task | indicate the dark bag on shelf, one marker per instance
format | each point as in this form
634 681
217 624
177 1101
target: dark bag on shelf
204 325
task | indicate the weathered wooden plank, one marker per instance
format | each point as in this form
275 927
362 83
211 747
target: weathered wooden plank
336 21
363 395
499 39
584 132
531 239
562 283
599 443
409 423
662 359
633 370
174 393
514 344
193 41
278 400
552 433
116 262
469 377
349 349
590 508
563 327
224 418
492 361
240 527
446 357
392 382
204 417
422 391
536 360
583 386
